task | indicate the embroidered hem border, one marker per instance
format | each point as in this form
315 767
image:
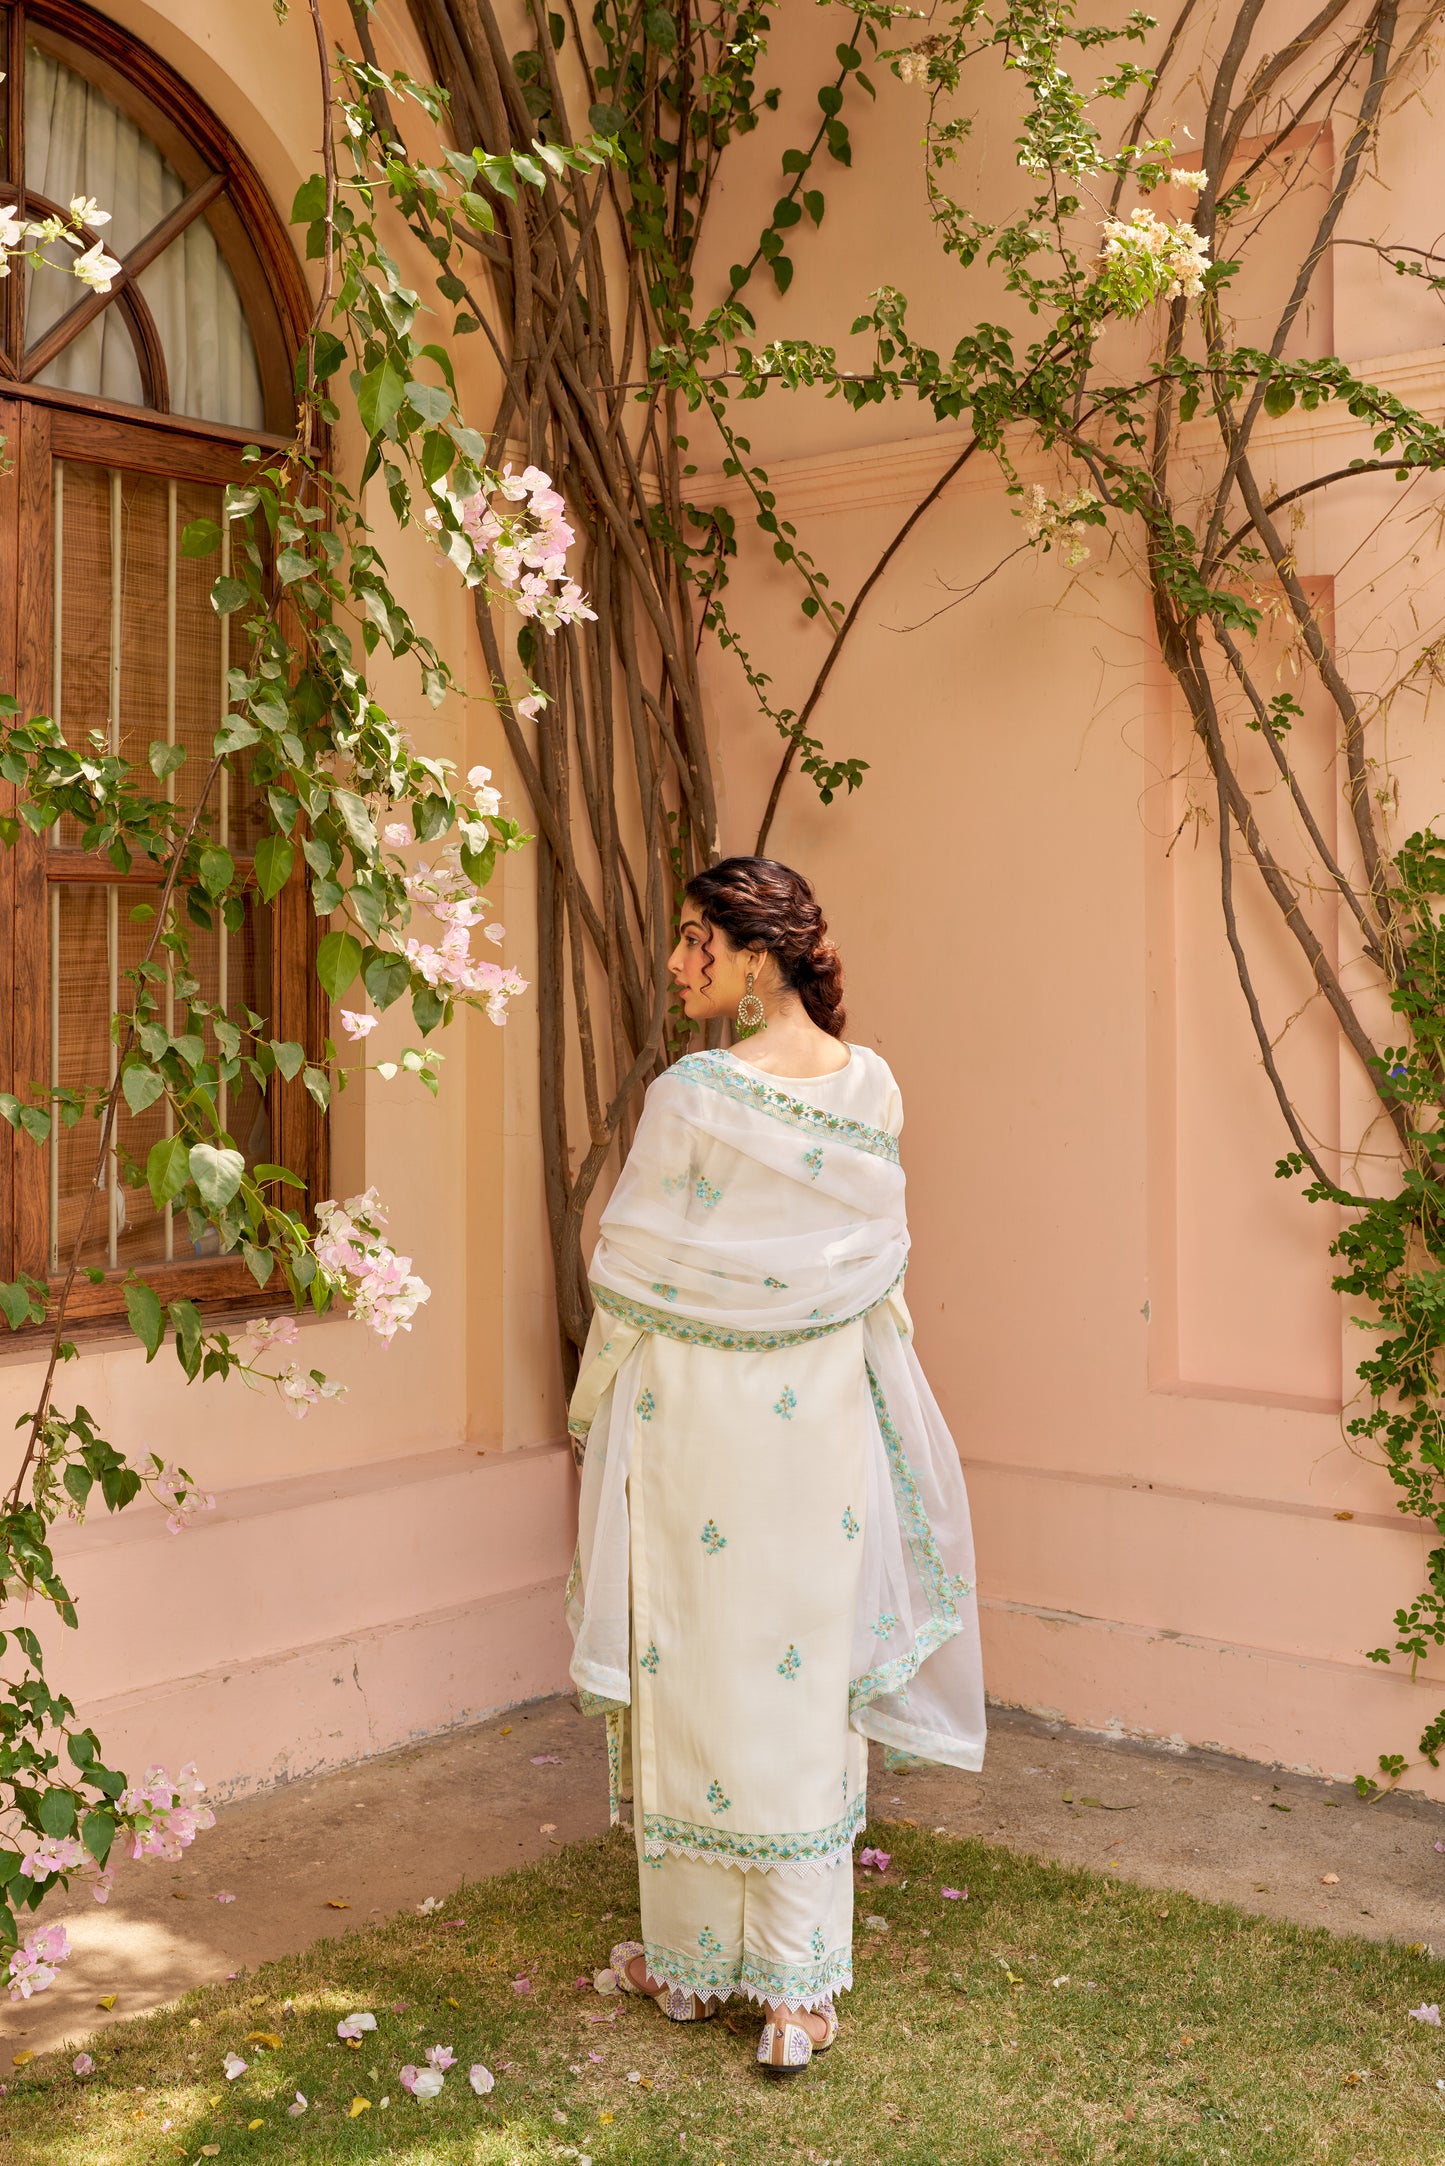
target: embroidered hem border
812 1851
692 1331
718 1071
799 1985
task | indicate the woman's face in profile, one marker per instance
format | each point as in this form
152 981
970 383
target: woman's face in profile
709 972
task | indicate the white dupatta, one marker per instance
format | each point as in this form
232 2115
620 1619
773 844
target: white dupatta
814 1239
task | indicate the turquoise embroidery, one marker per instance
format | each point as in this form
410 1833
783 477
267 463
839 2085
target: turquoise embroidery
692 1331
673 1184
799 1984
649 1661
779 1286
716 1800
813 1160
886 1623
787 1405
646 1406
708 1941
708 1196
817 1943
814 1846
939 1586
791 1663
664 1293
711 1540
718 1071
851 1527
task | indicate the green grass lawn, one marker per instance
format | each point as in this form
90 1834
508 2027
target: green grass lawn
1053 2015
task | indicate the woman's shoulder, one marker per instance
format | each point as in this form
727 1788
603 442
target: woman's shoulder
876 1081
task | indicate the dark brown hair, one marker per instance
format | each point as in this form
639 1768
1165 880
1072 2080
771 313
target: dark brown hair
759 903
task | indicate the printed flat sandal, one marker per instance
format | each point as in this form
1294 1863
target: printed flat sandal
676 2002
785 2048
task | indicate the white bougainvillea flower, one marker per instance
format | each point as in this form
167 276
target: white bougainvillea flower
87 212
234 2066
1179 178
481 2079
1427 2012
531 706
95 268
263 1331
422 2082
353 2026
431 1903
358 1026
298 2105
398 834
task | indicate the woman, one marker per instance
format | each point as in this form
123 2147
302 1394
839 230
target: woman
774 1561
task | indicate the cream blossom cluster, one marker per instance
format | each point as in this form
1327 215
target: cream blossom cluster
183 1501
167 1811
33 1965
458 905
383 1291
1146 257
1048 521
30 237
301 1389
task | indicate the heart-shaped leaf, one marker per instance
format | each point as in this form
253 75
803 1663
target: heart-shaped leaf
216 1173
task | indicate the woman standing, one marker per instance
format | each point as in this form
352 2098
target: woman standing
774 1562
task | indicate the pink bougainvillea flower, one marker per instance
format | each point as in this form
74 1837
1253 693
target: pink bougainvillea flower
521 1985
441 2057
880 1860
397 833
263 1331
225 1896
33 1966
546 1759
83 2065
955 1895
298 2105
1428 2012
358 1026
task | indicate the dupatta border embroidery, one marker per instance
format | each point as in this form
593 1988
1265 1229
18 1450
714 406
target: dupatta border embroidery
815 1847
938 1584
729 1338
717 1070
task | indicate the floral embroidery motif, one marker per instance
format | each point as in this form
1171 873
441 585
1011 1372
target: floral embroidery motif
708 1941
649 1661
717 1070
961 1585
708 1196
692 1331
885 1624
817 1943
786 1406
646 1407
717 1801
673 1184
815 1846
940 1587
851 1526
801 1985
813 1160
791 1663
711 1540
664 1293
779 1286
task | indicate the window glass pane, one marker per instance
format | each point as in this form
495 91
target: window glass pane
141 654
77 143
93 941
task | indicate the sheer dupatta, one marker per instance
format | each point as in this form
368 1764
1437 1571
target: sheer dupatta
748 1220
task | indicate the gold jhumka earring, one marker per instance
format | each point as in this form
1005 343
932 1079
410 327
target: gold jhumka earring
751 1013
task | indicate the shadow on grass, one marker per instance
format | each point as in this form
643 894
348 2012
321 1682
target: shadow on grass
1051 2014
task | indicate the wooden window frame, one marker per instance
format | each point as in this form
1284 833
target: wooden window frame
42 425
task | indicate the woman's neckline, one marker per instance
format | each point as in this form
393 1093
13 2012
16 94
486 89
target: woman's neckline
770 1075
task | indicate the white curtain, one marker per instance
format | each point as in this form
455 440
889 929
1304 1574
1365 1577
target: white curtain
78 144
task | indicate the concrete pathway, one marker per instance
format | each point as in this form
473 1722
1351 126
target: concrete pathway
323 1858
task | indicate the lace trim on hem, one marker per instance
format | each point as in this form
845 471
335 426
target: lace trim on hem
796 1985
729 1339
717 1070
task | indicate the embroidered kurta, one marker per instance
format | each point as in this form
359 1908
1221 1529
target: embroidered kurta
774 1561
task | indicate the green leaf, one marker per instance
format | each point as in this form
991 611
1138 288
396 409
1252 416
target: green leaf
310 201
386 977
168 1169
57 1812
218 870
216 1173
428 1007
147 1317
660 28
786 212
319 1084
338 958
259 1262
200 538
291 565
379 394
165 759
529 169
267 1173
97 1832
429 400
78 1484
813 204
358 821
14 1303
142 1086
186 1324
830 98
228 595
290 1057
606 119
1278 398
275 857
81 1747
328 353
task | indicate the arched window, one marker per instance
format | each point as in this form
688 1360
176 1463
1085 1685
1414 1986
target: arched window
123 416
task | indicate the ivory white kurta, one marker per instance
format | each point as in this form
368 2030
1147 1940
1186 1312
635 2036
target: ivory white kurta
774 1559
